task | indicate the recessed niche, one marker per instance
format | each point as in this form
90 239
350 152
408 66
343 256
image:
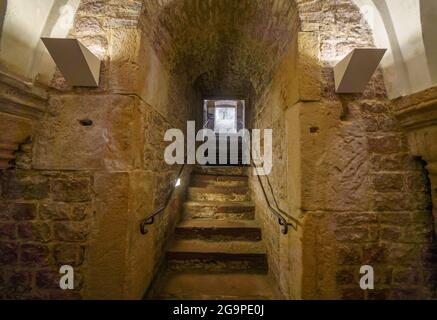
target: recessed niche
86 122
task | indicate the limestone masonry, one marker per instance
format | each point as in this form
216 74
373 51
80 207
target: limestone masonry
354 175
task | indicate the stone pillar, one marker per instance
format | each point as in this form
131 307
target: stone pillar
417 115
432 169
20 109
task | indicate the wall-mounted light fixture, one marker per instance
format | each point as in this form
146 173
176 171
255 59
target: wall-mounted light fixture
352 74
79 66
178 182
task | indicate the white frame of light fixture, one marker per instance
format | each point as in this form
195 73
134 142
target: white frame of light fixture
353 72
79 66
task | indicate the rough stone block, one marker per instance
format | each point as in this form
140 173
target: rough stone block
5 213
93 8
383 275
407 276
23 211
378 294
418 181
391 233
355 234
390 202
68 253
8 231
71 189
71 231
35 231
385 145
346 276
374 253
393 162
48 279
419 233
355 218
418 201
388 182
411 293
18 128
309 67
26 187
110 142
8 253
394 218
87 25
352 294
19 282
64 295
402 254
124 69
34 255
349 254
81 212
106 258
54 211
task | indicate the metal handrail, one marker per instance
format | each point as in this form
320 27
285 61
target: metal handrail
150 219
279 213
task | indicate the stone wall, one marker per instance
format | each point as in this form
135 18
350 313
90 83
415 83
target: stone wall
46 218
361 198
95 169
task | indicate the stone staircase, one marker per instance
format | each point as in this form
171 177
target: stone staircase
217 252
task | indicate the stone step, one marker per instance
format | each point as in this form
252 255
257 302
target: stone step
204 180
217 256
9 146
222 170
5 164
198 286
219 210
224 230
218 194
7 154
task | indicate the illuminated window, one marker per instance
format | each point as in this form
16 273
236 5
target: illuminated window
225 119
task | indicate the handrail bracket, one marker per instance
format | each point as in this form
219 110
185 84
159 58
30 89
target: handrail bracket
144 223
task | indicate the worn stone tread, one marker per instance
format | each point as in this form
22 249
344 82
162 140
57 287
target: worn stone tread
212 223
220 189
222 247
202 180
224 230
215 177
217 252
222 170
218 193
235 286
219 210
218 204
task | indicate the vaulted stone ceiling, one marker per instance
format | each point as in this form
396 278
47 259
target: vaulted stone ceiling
225 47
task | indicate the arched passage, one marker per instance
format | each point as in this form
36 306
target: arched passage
222 44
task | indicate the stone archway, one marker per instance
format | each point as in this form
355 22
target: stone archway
180 40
